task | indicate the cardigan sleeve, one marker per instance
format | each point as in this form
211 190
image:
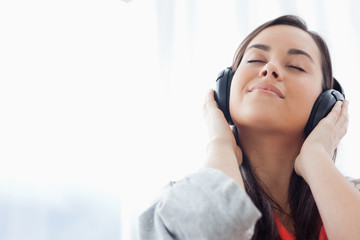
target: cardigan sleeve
204 205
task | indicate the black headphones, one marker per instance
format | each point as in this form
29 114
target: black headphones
322 106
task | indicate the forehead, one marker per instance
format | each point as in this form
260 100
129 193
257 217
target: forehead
284 37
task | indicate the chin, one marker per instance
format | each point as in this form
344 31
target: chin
256 113
256 123
268 122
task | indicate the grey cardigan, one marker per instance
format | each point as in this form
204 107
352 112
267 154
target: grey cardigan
204 205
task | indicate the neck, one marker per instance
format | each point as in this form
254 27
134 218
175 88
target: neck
272 157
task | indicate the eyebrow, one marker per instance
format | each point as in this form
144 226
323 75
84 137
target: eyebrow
291 51
294 51
260 46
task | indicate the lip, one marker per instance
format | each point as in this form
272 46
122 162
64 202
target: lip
267 88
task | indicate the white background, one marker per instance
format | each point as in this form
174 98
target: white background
100 102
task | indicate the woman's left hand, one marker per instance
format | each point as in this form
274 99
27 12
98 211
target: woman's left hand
324 138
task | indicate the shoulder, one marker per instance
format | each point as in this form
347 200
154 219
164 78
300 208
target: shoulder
355 182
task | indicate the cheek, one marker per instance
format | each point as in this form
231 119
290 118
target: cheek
302 102
237 91
240 80
238 88
305 92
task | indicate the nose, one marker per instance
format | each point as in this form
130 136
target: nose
271 69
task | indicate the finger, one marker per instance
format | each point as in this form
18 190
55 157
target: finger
343 120
211 94
210 97
209 104
207 99
344 116
334 114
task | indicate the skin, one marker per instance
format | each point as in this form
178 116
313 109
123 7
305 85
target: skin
271 128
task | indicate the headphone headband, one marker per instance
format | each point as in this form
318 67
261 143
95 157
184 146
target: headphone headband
338 87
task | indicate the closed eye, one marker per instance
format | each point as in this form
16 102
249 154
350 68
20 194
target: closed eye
256 61
297 68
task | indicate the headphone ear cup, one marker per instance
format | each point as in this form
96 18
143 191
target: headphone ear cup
222 92
322 107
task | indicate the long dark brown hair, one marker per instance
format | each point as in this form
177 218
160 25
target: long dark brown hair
304 212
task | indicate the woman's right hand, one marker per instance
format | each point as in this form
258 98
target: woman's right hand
220 133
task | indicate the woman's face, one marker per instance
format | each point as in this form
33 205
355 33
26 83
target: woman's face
277 82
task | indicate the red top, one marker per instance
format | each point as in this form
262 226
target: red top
285 235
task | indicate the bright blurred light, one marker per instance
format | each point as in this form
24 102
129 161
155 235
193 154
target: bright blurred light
101 101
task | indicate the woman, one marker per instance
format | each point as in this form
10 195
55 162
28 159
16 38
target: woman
287 186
